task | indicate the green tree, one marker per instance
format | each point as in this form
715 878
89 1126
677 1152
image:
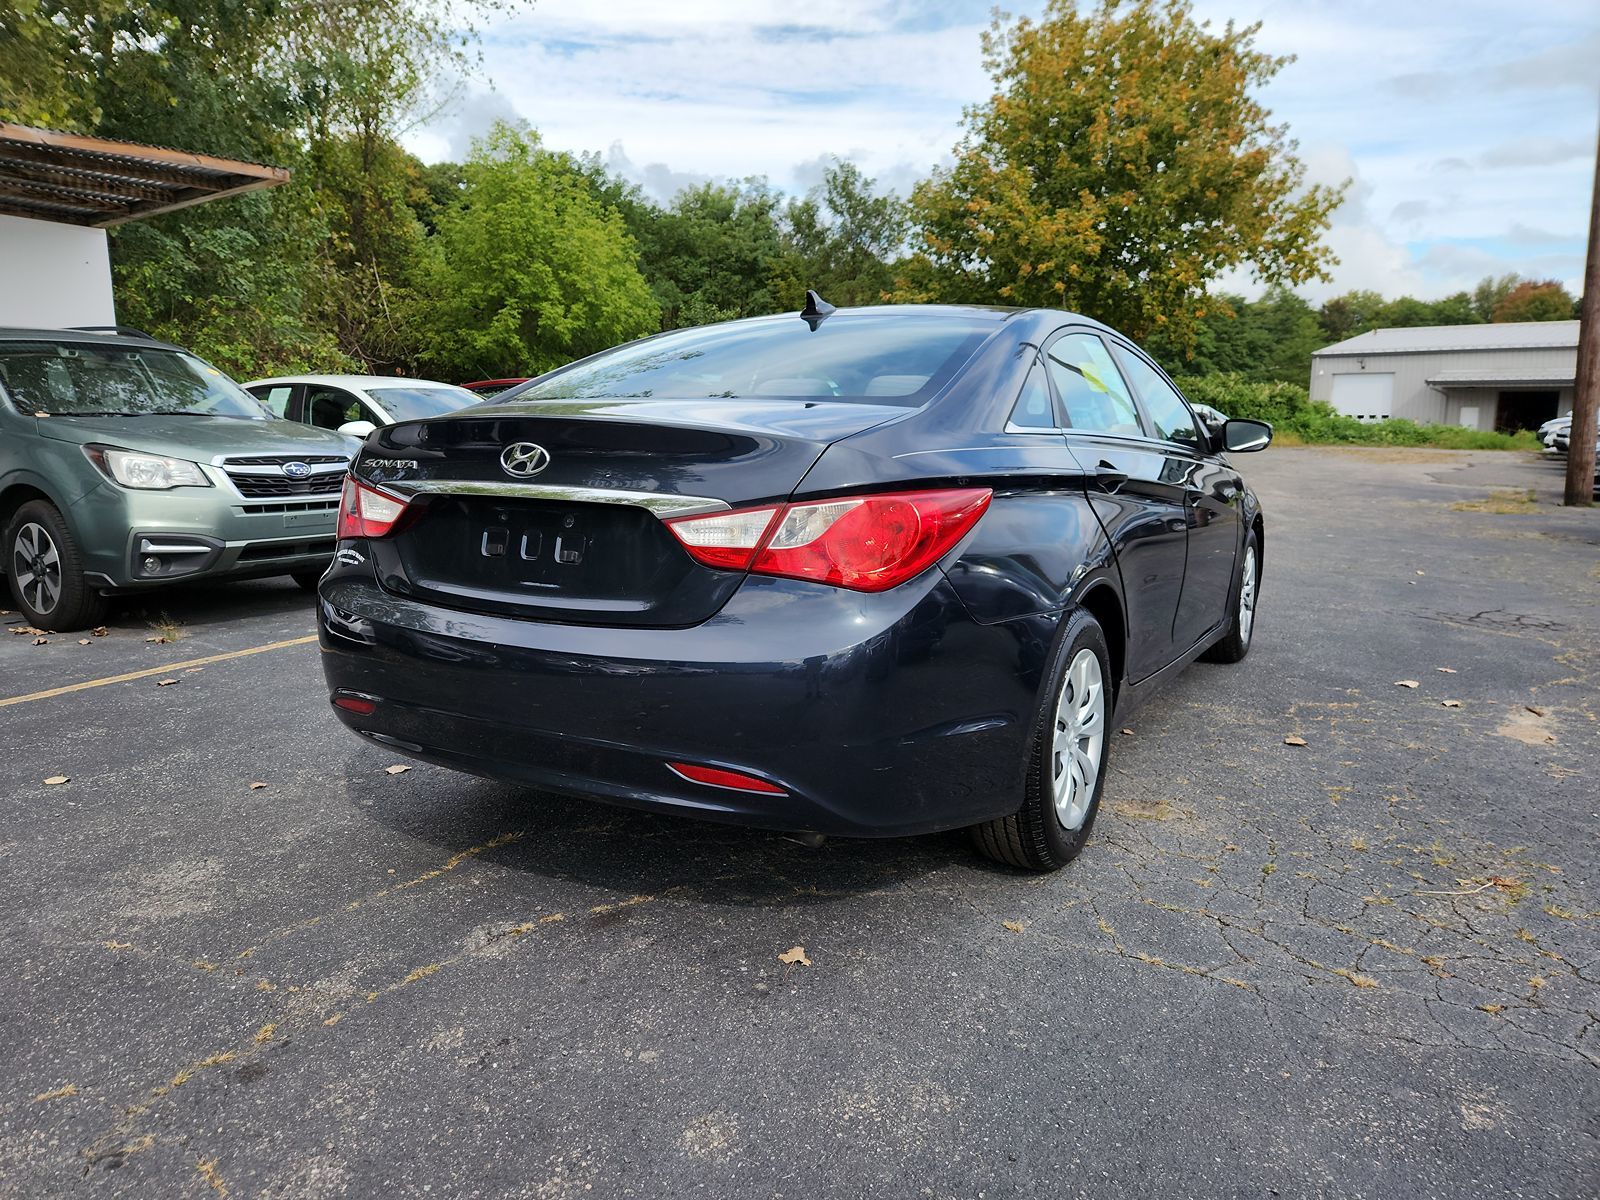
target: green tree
842 239
1350 314
1122 164
528 270
1491 290
1533 300
715 253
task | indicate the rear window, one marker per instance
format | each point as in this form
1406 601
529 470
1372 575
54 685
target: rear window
415 403
887 358
121 381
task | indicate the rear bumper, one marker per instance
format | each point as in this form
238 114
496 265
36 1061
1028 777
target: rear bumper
882 715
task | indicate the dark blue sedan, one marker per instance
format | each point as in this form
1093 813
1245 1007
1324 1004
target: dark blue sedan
869 572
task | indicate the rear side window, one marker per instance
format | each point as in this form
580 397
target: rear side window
275 398
878 358
1167 411
1091 389
1034 409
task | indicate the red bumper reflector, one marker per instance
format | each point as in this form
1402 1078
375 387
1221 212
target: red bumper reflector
717 777
362 706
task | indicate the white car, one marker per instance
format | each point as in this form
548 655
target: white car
1547 431
357 404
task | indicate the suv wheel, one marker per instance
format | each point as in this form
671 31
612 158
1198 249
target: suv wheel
1067 767
45 568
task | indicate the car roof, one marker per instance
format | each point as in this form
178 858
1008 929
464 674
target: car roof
359 382
83 337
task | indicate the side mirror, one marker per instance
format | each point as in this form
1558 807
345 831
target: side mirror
360 429
1241 435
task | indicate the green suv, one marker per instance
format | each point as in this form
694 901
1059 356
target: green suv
126 463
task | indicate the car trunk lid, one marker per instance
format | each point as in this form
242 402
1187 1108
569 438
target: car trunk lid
568 525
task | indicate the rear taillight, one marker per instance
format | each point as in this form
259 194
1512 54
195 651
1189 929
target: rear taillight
365 512
720 777
866 543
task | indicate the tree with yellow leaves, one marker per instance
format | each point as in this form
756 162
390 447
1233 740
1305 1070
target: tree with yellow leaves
1121 165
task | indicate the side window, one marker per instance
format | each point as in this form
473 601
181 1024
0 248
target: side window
1091 388
275 398
330 408
1034 409
1167 410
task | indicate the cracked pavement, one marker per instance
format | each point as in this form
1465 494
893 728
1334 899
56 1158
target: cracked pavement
1366 966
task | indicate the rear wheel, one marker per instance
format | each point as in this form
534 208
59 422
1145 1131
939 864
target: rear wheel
1235 644
1066 771
45 568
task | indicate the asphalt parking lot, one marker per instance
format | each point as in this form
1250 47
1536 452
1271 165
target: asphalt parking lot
1366 966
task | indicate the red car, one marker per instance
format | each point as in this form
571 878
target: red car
492 387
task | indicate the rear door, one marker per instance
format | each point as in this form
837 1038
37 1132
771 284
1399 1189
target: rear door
1213 493
1135 489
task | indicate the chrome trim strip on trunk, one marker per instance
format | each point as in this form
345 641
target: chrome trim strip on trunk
661 504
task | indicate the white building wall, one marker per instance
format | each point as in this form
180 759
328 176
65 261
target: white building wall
54 275
1416 401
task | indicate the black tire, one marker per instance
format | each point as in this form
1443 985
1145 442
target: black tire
56 596
1235 644
307 579
1034 837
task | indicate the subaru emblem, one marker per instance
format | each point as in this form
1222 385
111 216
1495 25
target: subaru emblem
523 459
296 470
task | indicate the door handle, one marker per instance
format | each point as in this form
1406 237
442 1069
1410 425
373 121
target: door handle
1107 478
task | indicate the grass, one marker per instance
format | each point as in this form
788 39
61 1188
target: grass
1500 500
165 629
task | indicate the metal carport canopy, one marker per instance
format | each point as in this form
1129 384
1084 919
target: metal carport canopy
79 180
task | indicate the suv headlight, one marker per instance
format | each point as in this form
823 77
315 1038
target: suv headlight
149 472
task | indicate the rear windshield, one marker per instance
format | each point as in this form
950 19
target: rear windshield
415 403
888 358
118 381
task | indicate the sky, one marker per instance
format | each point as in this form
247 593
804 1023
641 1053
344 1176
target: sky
1467 129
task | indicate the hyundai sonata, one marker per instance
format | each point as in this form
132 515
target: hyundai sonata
875 571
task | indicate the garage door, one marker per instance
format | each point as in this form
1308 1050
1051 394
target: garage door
1367 395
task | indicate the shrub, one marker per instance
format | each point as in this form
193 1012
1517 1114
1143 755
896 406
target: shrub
1292 412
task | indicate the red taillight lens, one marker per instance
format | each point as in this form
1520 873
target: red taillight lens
365 512
717 777
866 543
363 706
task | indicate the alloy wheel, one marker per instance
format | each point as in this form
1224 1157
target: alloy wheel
36 566
1247 595
1079 739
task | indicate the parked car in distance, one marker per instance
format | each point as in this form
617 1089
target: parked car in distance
127 463
869 572
1548 431
486 388
357 404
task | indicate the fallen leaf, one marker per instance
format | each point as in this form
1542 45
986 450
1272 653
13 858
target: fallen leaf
83 641
1421 572
1446 670
397 769
158 640
1127 733
795 954
55 779
256 787
1291 740
1014 926
1451 703
1538 712
100 631
1407 683
39 641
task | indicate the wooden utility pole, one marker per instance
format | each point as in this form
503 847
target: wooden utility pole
1580 444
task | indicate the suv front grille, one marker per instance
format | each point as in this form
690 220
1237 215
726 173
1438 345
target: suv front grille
262 476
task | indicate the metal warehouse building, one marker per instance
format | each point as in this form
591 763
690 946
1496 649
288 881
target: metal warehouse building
1509 376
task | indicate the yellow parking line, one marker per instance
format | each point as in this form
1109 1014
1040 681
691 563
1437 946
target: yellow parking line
162 670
